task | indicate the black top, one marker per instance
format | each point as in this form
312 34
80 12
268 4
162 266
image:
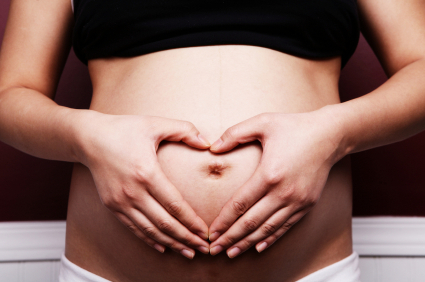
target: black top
127 28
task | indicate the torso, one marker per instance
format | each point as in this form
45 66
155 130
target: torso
214 87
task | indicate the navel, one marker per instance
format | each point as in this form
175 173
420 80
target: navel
216 169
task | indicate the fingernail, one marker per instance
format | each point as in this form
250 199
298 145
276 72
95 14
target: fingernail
233 252
216 250
204 140
203 249
262 247
159 248
203 235
187 253
214 236
216 144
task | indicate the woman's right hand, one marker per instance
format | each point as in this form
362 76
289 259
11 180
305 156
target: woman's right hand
120 151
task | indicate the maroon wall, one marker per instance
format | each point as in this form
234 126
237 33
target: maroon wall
387 180
33 188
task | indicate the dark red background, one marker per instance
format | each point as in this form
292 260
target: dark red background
387 180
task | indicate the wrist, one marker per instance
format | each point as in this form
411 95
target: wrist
81 122
332 115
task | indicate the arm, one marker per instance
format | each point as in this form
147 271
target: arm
300 149
127 175
31 62
395 110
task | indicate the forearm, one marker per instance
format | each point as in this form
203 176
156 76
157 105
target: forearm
36 125
391 113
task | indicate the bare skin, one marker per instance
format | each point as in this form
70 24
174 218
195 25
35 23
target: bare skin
169 195
226 86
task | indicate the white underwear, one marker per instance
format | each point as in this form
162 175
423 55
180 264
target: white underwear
70 272
346 270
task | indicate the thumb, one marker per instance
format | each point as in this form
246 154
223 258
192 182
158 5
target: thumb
185 131
246 131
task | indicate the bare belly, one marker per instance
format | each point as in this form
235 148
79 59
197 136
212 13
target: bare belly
214 87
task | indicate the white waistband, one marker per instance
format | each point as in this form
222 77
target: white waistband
346 270
70 272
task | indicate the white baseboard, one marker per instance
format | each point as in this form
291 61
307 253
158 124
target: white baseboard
372 236
39 240
389 236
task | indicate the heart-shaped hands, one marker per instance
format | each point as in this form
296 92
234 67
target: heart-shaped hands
298 153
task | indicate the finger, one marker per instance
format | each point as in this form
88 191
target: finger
185 131
278 224
264 244
246 131
248 194
259 213
151 231
133 228
171 199
170 225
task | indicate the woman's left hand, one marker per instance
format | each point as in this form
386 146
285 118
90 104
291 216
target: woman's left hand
298 153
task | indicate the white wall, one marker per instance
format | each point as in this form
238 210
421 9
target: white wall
31 271
392 269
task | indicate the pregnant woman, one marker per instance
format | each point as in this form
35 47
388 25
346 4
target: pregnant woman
215 147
